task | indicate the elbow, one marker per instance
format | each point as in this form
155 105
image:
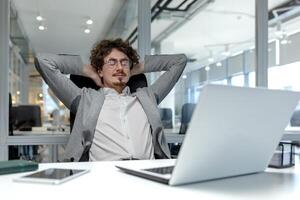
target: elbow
183 59
44 57
41 60
38 59
37 63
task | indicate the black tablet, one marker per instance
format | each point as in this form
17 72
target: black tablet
52 176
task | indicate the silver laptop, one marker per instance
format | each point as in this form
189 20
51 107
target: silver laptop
233 131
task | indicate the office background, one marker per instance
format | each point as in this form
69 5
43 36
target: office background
244 43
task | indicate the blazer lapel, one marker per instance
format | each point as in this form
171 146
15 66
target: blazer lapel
150 109
94 109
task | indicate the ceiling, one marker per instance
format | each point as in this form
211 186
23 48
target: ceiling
220 22
65 23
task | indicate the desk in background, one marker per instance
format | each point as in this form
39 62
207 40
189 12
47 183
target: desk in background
50 138
290 133
55 138
104 181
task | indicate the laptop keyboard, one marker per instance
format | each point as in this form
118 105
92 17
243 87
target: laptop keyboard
161 170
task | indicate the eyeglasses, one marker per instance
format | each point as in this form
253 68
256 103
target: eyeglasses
112 63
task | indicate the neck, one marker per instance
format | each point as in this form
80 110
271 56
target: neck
119 89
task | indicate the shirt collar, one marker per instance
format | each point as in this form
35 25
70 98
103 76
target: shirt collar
109 91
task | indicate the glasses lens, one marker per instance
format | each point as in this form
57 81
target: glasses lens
112 62
125 63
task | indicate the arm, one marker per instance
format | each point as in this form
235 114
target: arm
53 69
172 64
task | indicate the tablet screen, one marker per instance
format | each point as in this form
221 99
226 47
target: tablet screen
52 175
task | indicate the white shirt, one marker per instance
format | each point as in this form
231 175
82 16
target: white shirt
122 130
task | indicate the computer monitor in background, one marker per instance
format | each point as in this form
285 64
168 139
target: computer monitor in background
26 116
23 118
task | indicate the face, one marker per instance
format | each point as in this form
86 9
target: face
116 69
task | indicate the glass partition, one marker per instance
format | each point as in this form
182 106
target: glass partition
284 30
217 36
67 29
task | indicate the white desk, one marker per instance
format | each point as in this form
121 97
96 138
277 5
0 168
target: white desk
104 181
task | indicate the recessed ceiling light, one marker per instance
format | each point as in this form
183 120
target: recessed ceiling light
39 18
284 41
41 27
207 68
211 60
226 53
184 76
219 64
87 31
89 21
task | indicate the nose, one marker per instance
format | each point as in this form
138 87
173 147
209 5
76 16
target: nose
118 66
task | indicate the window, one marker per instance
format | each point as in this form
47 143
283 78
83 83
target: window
237 80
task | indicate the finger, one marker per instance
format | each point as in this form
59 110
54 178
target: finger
98 81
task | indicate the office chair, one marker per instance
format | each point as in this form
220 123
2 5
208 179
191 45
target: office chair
13 150
186 115
23 118
166 117
11 118
295 119
135 82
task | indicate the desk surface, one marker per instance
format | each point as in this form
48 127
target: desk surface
106 181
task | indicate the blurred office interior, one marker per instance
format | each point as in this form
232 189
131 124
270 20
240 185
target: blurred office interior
218 36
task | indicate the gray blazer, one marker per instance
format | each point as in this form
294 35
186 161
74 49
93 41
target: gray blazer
87 103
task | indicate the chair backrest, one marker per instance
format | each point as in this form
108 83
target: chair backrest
135 82
186 115
166 117
295 120
82 81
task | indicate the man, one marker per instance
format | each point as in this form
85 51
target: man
111 123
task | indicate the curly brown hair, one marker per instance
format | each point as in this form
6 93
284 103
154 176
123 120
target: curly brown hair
104 47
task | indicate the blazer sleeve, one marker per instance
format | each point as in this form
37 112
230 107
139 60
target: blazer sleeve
173 65
54 68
